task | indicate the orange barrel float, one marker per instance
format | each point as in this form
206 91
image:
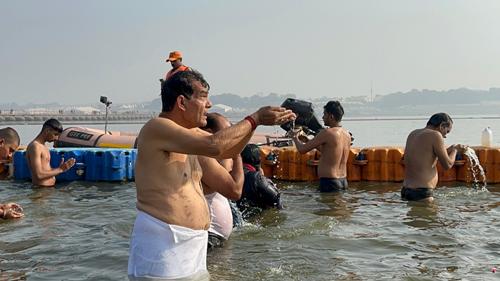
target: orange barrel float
383 164
268 160
493 171
354 164
447 175
371 164
375 164
293 166
489 157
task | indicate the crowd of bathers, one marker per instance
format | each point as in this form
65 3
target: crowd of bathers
196 174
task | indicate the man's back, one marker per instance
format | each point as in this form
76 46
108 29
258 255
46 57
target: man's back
420 159
334 153
168 183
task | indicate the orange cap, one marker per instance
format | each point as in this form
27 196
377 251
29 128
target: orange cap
175 55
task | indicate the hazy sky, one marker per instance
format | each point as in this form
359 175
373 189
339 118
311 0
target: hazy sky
74 51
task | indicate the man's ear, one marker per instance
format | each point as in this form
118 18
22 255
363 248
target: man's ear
181 102
2 142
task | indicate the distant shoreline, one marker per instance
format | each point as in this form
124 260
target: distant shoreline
80 119
26 119
411 118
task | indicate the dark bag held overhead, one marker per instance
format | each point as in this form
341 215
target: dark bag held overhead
305 116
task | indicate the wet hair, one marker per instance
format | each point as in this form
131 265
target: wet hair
53 124
181 83
251 155
336 109
214 121
10 136
440 118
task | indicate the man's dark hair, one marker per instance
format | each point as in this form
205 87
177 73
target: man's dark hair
440 118
53 124
251 155
336 109
10 135
180 83
214 120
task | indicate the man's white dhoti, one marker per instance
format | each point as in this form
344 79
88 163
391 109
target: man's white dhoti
162 251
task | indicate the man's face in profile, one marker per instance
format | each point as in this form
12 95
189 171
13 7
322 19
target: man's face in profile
198 105
7 150
53 135
445 129
176 63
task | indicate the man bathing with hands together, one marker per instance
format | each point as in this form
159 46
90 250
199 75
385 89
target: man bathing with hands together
424 147
42 174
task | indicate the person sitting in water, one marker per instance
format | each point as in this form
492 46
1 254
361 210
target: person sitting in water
424 147
222 180
38 155
334 143
9 142
258 190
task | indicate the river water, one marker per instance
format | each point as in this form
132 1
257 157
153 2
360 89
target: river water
80 230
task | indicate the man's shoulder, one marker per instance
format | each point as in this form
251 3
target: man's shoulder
431 133
34 145
425 134
337 132
329 131
157 133
157 123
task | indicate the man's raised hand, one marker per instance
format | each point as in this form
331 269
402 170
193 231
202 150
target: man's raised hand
273 115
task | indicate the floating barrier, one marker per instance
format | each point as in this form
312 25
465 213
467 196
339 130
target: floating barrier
371 164
92 164
383 164
282 163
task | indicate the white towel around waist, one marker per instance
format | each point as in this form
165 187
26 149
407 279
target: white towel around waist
166 251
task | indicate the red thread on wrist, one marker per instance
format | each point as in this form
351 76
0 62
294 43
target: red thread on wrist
252 122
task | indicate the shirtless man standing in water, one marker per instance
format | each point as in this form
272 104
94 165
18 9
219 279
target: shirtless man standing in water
334 144
169 238
42 174
424 147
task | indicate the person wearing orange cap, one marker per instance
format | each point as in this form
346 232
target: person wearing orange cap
175 59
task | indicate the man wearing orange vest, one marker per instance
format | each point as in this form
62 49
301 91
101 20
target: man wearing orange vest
175 58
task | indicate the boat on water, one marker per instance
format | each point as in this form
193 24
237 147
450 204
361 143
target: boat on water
88 137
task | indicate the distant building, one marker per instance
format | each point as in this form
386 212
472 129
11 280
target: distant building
82 110
221 108
40 110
